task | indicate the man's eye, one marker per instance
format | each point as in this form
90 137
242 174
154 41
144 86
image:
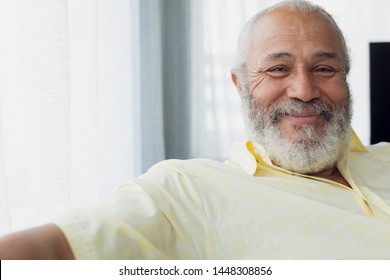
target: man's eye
325 71
278 71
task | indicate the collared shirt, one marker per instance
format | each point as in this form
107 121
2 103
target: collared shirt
245 208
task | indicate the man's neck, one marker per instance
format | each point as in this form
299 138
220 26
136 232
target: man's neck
333 174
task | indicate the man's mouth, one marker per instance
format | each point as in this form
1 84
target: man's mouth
301 113
303 118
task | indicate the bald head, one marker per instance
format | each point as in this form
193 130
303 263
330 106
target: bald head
288 11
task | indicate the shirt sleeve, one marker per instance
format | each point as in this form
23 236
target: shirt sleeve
156 216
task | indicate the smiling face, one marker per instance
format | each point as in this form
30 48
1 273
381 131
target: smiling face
296 57
296 95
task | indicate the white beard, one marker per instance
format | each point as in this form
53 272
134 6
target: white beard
311 150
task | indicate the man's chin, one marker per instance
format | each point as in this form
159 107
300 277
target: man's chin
304 135
304 160
308 150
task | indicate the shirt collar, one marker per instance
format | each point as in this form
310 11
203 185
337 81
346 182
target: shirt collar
249 153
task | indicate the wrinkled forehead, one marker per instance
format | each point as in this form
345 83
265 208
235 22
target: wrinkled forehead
283 17
283 26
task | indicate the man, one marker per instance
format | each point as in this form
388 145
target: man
304 187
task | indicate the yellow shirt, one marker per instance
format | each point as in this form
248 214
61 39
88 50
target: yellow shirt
245 208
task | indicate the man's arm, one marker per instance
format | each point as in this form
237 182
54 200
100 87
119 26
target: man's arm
43 242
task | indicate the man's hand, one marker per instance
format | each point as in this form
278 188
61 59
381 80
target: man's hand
40 243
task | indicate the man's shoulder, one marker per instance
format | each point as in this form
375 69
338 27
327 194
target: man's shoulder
379 151
375 161
191 171
191 166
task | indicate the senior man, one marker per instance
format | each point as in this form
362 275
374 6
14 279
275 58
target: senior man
303 187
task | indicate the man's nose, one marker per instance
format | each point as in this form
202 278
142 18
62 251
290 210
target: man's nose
303 86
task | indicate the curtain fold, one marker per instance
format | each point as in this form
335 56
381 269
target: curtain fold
150 96
177 82
84 101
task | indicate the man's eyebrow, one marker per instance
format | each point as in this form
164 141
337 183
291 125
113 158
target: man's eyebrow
317 55
277 55
326 54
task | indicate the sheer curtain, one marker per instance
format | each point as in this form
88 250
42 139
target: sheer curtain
74 96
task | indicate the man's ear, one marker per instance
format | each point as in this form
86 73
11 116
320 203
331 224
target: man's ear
236 82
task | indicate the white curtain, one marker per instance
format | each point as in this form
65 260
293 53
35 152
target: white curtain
71 103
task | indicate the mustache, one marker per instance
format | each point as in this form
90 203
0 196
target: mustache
298 106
